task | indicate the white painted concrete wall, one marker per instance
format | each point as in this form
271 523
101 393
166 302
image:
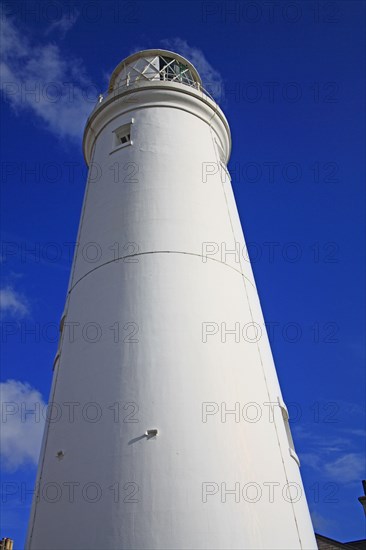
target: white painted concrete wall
166 492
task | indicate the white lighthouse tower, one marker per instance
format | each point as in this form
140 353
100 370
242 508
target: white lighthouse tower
167 428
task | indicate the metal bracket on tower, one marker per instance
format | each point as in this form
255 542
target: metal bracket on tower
151 433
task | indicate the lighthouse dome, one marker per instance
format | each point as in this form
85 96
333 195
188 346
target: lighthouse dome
154 65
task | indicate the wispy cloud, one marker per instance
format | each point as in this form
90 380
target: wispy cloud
13 304
333 457
40 79
211 78
64 24
357 433
347 468
21 432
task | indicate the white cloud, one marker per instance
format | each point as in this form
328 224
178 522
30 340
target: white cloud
323 443
332 455
313 460
21 433
211 78
347 468
64 24
357 433
40 79
12 303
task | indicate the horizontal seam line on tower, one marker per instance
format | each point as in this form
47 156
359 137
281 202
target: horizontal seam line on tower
132 90
159 252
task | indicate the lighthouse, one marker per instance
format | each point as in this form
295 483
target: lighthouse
166 427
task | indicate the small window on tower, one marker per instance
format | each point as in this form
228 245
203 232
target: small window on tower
125 138
122 136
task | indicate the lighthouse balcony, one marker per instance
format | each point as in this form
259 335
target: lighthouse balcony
155 66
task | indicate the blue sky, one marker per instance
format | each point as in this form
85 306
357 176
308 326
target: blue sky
289 77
